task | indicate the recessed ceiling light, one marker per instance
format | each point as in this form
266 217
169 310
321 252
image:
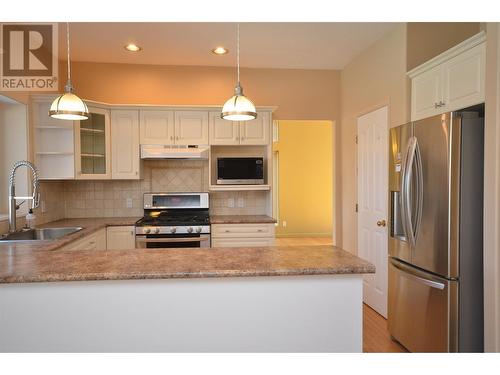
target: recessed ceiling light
132 47
220 51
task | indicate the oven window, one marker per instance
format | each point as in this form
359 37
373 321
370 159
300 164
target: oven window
176 201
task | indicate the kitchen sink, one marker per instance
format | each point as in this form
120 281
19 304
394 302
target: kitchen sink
39 234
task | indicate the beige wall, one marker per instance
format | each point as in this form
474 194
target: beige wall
426 40
13 147
375 78
299 94
492 191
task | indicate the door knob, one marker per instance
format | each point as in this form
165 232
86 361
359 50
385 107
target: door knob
381 223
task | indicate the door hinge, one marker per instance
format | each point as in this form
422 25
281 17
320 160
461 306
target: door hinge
356 139
356 207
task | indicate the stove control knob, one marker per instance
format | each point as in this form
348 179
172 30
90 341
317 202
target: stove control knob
198 230
190 230
147 230
157 230
173 229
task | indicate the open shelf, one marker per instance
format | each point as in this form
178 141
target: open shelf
238 187
61 127
87 130
54 153
92 155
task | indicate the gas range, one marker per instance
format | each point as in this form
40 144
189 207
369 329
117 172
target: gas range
174 220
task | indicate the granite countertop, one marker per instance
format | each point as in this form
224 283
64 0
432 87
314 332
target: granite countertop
27 265
241 219
43 262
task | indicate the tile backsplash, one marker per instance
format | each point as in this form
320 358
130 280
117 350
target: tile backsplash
124 198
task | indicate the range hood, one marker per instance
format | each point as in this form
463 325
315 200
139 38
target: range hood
173 152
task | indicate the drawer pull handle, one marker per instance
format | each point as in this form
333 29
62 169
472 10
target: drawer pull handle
227 231
259 230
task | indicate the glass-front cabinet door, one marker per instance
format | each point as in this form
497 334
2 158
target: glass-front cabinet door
92 146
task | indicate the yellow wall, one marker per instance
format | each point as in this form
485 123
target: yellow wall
305 178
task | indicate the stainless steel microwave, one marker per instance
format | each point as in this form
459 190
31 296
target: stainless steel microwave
240 171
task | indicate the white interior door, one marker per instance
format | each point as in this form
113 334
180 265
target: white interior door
372 204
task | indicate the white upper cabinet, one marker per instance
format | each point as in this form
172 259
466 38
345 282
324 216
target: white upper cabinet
92 146
427 93
191 127
223 132
157 127
464 78
256 132
125 144
451 81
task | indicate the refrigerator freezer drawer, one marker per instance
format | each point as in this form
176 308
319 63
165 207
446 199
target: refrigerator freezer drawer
422 309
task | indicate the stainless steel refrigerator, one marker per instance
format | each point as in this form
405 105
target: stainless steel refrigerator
435 299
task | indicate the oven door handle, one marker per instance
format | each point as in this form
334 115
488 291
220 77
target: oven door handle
144 239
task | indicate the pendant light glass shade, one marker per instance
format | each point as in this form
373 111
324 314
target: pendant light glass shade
238 107
68 106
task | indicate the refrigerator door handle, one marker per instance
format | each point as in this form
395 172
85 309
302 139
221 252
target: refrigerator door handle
411 274
403 188
420 189
405 192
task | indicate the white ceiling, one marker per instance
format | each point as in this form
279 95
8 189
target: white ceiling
263 45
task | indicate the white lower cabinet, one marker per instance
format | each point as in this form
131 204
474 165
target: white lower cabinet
242 235
94 241
120 238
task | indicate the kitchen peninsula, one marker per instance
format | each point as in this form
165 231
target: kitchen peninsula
274 299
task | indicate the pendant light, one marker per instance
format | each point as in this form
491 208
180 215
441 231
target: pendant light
239 107
68 106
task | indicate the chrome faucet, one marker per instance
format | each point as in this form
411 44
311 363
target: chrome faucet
13 207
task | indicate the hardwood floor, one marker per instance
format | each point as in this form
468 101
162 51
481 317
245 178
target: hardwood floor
300 241
376 338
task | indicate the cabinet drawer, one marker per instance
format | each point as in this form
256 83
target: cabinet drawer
242 242
242 230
